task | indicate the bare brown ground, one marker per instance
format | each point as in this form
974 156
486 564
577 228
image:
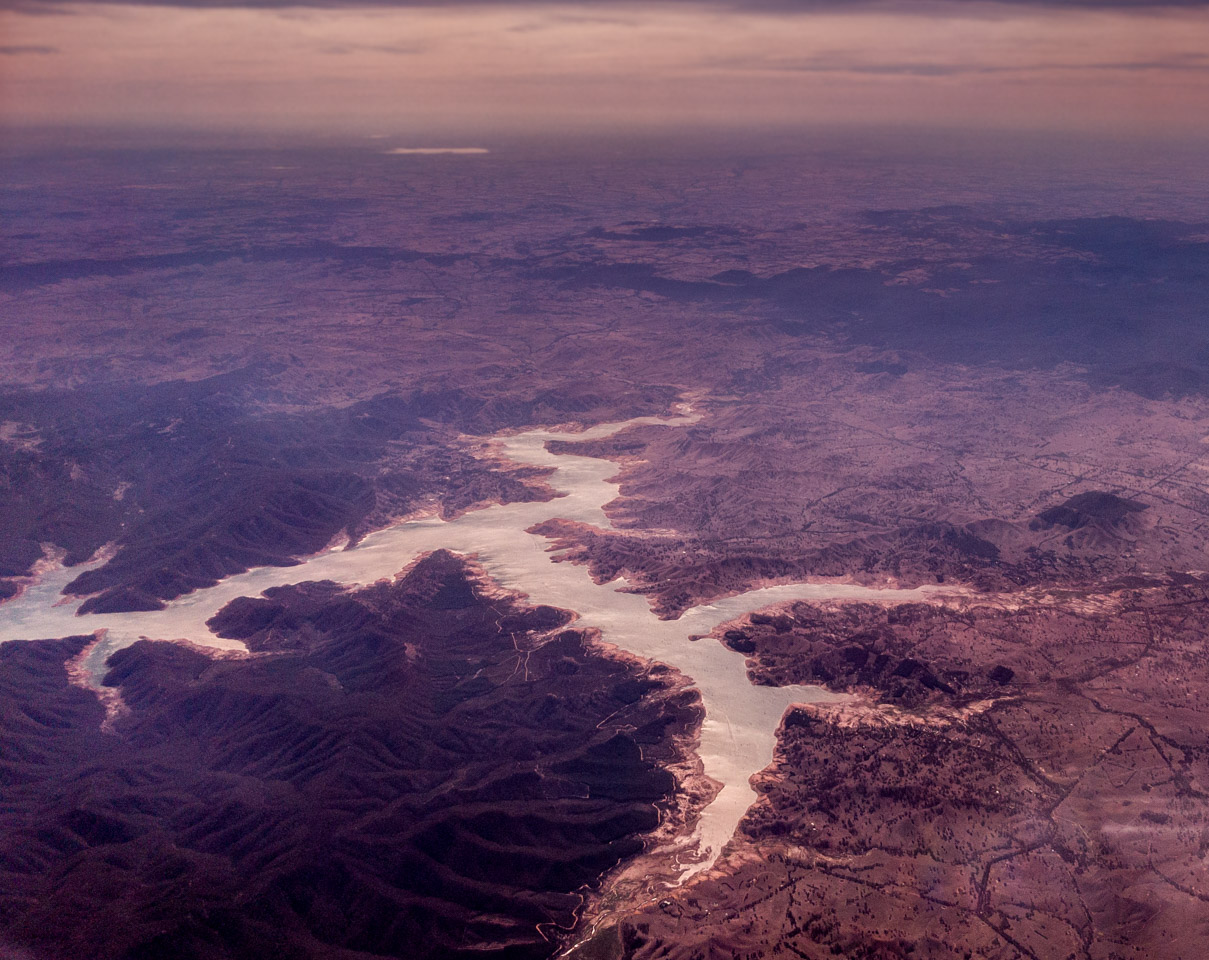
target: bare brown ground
1061 811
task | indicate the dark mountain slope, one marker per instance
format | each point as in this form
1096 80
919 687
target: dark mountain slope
424 773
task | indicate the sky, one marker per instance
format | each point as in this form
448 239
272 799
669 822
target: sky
461 70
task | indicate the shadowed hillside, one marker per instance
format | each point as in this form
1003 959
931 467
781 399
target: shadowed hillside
423 773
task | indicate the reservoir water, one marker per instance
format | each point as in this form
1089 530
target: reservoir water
738 736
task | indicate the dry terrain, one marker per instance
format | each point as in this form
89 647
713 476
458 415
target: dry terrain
984 366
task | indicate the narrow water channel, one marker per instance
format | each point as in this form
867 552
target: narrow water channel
741 719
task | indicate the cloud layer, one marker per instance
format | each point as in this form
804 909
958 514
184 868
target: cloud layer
457 69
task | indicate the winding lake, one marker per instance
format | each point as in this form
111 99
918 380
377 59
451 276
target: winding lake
741 719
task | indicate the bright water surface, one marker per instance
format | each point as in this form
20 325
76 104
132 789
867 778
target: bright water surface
741 719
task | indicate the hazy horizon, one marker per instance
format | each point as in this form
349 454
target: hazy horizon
499 69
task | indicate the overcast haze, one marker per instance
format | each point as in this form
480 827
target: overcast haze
457 69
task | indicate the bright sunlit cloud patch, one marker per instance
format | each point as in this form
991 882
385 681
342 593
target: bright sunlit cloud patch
431 150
